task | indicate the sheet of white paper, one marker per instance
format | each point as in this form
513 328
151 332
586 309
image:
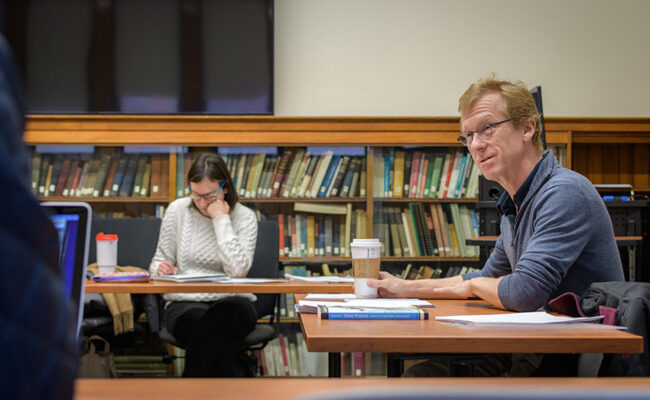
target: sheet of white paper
387 303
329 296
535 317
325 279
538 327
193 277
253 280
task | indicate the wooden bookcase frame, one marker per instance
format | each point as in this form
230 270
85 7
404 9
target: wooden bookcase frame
165 130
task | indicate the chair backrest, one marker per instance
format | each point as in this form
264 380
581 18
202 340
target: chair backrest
266 258
137 239
266 264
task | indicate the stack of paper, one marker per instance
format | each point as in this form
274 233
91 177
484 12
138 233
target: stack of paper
312 306
193 277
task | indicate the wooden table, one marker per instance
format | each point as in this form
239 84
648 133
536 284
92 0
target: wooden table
282 286
430 336
283 388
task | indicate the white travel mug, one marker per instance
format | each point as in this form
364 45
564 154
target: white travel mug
106 252
365 265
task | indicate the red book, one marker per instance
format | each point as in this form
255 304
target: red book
285 358
281 226
75 180
279 175
358 364
110 176
448 178
422 177
63 175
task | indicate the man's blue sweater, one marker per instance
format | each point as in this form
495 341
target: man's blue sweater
560 240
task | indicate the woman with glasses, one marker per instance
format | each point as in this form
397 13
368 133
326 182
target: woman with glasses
208 232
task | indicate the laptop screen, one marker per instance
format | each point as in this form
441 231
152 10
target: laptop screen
72 223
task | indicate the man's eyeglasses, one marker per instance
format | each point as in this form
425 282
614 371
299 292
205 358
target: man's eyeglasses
485 132
206 197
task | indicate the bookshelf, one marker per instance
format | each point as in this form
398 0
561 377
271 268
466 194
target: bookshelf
606 150
590 144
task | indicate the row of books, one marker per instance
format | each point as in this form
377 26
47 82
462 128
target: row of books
130 210
100 175
427 230
427 272
287 355
297 174
320 230
399 173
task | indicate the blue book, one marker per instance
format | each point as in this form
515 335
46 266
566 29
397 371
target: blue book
328 176
335 312
461 174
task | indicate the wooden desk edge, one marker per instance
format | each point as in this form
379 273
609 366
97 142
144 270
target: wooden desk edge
283 286
284 388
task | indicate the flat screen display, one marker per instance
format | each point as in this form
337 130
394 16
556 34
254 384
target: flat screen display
72 223
143 56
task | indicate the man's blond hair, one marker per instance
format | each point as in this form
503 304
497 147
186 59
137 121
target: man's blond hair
517 104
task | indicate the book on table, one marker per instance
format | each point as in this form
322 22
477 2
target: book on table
119 277
369 313
193 277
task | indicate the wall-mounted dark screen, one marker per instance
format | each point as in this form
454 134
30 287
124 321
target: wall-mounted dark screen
143 56
536 92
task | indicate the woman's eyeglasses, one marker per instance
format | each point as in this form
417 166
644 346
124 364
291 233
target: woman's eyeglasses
206 197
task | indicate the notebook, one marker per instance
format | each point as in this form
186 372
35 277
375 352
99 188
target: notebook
72 223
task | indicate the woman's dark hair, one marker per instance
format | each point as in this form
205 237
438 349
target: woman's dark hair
212 166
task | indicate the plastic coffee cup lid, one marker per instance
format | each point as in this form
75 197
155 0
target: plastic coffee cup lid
365 242
102 236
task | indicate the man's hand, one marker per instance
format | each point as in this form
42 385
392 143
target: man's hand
218 208
388 285
167 268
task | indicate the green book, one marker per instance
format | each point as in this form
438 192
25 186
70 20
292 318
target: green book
139 175
428 172
35 171
435 176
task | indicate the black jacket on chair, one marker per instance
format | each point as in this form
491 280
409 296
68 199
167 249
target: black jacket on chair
632 303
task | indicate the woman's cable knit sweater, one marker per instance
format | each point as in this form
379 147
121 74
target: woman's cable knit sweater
197 244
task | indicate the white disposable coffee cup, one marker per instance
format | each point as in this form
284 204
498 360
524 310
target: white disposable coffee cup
106 253
365 250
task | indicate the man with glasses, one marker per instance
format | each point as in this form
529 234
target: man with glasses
556 234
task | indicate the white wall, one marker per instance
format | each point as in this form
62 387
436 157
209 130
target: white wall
416 57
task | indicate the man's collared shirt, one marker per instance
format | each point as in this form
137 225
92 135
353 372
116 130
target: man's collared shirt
506 205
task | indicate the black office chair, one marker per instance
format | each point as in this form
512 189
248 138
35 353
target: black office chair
137 241
265 265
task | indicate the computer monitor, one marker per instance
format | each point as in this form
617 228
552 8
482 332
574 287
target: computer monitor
72 223
536 92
